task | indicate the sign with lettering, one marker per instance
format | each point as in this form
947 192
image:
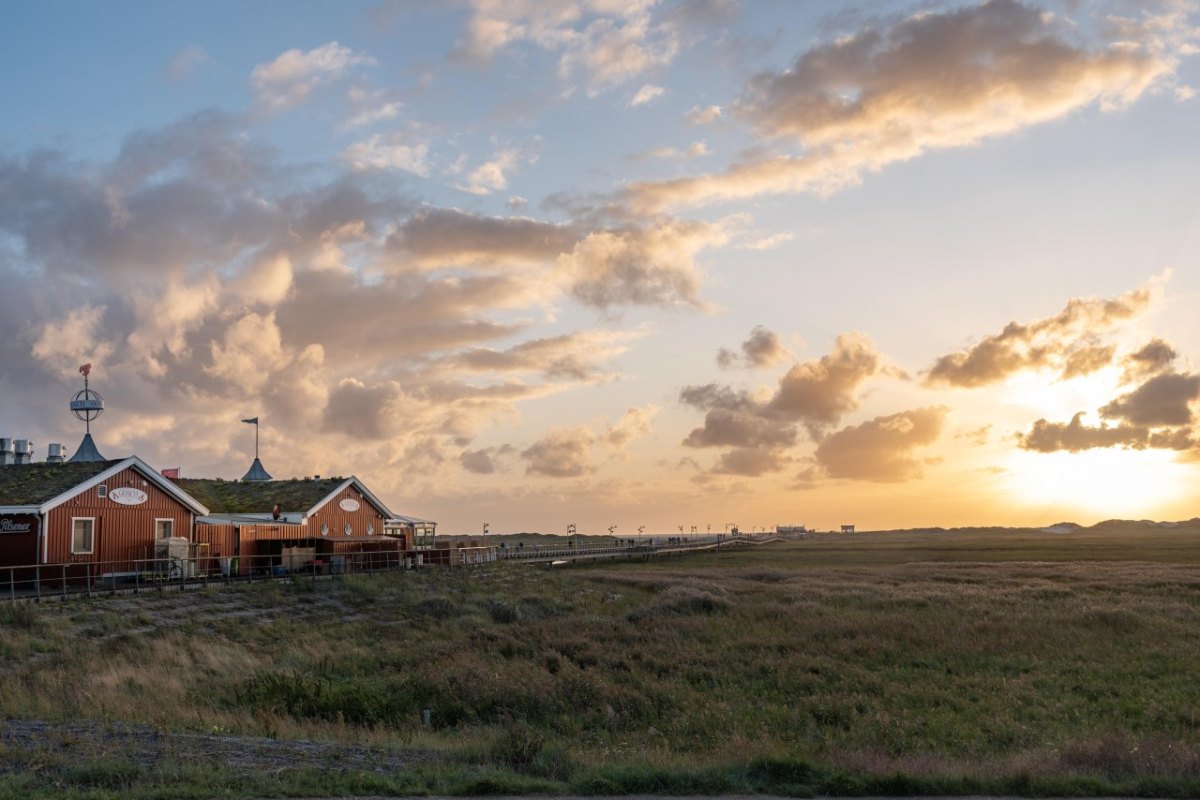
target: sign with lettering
127 496
18 523
349 504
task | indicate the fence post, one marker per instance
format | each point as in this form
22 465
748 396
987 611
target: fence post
137 578
12 585
64 580
89 580
37 577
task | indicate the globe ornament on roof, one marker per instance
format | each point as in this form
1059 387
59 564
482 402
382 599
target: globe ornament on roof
86 405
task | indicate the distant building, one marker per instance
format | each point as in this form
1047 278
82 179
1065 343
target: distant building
847 529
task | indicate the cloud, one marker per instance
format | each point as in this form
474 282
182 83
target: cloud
821 391
611 42
762 349
751 462
562 453
479 462
769 242
1049 437
76 339
693 150
387 152
578 355
206 279
295 74
882 449
1063 342
492 175
652 265
816 393
1086 357
442 237
929 81
1162 400
184 65
633 424
368 107
645 94
1156 356
703 115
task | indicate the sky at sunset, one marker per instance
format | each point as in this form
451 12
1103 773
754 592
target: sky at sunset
618 262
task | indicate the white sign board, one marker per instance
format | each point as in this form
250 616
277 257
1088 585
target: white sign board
349 504
127 496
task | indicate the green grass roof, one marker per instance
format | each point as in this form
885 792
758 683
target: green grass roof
258 497
34 484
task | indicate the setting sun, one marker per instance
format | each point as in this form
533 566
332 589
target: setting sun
1103 482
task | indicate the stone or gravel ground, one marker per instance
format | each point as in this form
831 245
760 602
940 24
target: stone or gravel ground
150 748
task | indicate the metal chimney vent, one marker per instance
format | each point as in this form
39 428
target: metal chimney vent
23 451
6 451
56 454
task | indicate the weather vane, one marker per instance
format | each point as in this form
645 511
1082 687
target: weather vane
87 405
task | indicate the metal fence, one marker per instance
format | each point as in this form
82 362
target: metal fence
160 574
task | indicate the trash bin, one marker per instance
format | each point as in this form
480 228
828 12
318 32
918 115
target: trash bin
226 567
233 566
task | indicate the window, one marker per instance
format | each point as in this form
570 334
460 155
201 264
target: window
81 534
164 528
102 491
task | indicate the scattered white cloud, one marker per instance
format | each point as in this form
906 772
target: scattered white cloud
703 115
645 94
288 80
492 176
387 152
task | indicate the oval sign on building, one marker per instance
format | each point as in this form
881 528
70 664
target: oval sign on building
349 504
127 496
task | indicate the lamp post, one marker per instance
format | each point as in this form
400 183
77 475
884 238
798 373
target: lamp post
641 531
572 532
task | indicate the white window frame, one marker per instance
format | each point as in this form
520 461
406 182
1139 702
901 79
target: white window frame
170 522
91 536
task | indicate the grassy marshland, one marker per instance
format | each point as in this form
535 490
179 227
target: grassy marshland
1002 662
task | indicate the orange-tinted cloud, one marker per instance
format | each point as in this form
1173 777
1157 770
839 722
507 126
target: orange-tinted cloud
762 349
934 80
1063 342
1155 357
882 449
821 391
562 453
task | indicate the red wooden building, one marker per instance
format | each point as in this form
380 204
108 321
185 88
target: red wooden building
108 514
293 524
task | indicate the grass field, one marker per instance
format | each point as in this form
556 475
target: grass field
1007 662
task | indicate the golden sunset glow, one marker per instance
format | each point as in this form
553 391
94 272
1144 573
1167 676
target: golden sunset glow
1107 483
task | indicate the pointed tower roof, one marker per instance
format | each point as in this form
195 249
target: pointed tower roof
257 473
86 452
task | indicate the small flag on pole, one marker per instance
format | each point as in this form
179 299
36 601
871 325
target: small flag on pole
86 370
171 472
252 420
